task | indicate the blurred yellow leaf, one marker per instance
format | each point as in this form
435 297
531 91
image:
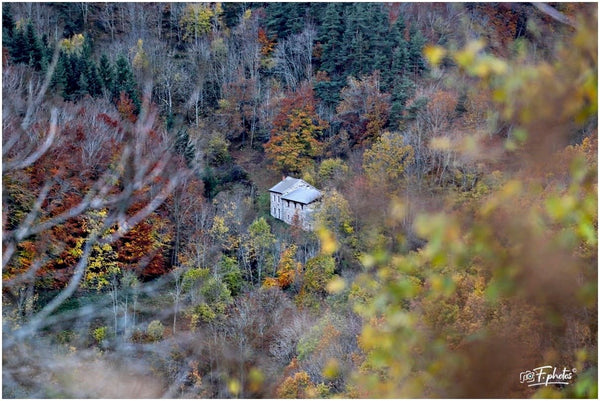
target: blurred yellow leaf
398 209
257 378
440 143
336 285
234 387
512 188
434 54
369 337
466 57
367 260
328 242
332 369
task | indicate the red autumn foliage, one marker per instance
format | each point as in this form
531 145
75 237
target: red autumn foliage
126 107
296 132
88 146
364 109
267 45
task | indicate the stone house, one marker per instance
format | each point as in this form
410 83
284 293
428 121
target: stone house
295 197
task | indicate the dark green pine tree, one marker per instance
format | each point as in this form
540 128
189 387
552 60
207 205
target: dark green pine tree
76 66
367 39
107 76
24 45
34 53
330 37
47 54
83 79
94 80
400 75
356 40
82 84
284 19
210 181
276 19
398 59
332 61
8 26
415 52
400 62
398 32
403 90
232 13
329 92
19 49
380 41
87 48
59 79
314 12
45 45
125 82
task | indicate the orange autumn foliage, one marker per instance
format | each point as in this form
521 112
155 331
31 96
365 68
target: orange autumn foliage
294 142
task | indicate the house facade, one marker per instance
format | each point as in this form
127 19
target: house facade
293 198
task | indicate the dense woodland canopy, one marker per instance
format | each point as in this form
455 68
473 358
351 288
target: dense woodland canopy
456 145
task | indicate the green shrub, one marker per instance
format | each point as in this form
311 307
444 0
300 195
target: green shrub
155 330
100 334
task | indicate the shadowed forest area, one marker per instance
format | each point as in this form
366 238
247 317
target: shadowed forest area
455 252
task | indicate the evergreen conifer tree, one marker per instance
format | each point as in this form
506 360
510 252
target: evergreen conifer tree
332 61
125 81
380 43
82 84
76 67
398 59
107 76
355 40
47 53
284 19
415 51
330 37
231 13
402 91
366 39
18 50
93 80
33 47
8 26
59 78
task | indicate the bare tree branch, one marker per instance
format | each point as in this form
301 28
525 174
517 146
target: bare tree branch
555 14
34 324
34 156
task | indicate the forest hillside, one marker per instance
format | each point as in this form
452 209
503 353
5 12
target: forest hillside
455 244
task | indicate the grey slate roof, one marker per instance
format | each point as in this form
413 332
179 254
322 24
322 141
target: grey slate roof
303 195
284 185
